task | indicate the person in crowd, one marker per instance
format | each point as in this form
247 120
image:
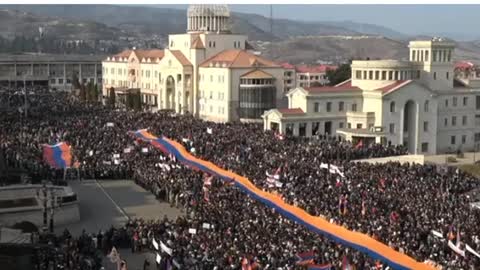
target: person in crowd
223 228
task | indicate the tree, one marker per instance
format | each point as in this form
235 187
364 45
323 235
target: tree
112 97
342 73
83 93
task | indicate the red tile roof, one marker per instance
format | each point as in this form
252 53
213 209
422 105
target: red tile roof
238 59
291 111
314 69
181 58
287 65
257 74
198 44
394 86
125 53
152 54
344 86
464 65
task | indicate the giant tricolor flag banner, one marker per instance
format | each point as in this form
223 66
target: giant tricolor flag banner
319 225
57 156
305 258
320 267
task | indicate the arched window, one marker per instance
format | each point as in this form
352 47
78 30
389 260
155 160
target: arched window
425 106
392 106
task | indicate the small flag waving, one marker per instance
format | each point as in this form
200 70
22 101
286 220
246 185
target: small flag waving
359 144
58 155
305 258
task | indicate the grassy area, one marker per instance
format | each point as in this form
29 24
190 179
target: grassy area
473 169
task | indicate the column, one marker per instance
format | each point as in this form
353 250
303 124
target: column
64 74
80 73
31 69
96 77
215 23
417 128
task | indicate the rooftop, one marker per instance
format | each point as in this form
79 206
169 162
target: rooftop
237 59
344 86
291 111
257 74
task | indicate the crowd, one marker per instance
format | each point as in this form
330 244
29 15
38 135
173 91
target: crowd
397 204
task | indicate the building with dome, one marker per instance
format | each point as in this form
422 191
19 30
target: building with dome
426 103
209 72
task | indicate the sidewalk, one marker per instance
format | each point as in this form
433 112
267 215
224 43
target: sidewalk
442 159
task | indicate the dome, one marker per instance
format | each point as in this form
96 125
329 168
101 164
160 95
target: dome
208 10
209 18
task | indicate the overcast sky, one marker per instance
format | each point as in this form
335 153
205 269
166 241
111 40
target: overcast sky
408 19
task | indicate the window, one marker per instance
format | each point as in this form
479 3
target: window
446 103
340 106
60 81
354 107
464 120
426 56
359 126
464 139
414 54
477 102
434 75
340 125
454 121
329 106
434 55
424 147
211 108
316 107
448 75
211 78
377 75
390 75
465 101
349 125
391 128
392 106
384 75
358 74
452 140
425 106
449 57
477 137
425 126
454 101
418 74
445 122
370 75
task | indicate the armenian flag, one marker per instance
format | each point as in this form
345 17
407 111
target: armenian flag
337 233
57 156
305 257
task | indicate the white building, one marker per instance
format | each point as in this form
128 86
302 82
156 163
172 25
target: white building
208 71
54 71
414 103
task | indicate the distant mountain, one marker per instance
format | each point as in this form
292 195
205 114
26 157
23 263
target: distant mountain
334 48
20 23
370 29
293 41
164 21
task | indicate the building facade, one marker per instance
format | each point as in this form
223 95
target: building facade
208 72
54 71
417 103
305 76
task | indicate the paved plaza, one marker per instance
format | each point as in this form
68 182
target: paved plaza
106 203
